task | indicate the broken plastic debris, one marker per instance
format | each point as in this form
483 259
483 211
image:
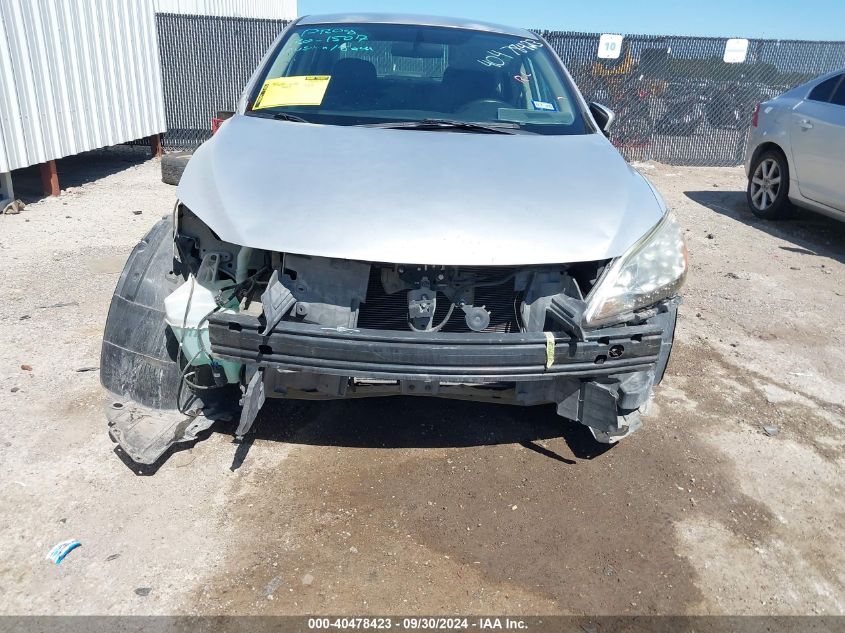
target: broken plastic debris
771 431
273 586
60 550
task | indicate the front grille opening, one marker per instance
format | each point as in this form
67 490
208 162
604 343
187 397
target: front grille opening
382 311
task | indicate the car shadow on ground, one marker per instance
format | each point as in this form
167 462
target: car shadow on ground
401 423
75 171
418 422
811 233
415 422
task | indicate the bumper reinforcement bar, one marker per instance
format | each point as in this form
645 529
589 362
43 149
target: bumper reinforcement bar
470 357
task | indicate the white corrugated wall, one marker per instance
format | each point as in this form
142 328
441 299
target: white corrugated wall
272 9
76 75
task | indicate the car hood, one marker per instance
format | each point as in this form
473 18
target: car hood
417 197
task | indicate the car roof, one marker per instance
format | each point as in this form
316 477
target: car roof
825 77
412 19
801 91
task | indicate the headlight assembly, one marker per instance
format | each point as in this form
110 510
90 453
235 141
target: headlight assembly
653 269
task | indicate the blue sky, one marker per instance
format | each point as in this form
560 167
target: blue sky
779 19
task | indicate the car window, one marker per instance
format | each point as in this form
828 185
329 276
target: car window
356 74
823 91
839 95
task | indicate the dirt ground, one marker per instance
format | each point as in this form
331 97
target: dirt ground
410 505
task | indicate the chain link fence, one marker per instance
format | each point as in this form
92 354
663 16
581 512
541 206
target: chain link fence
675 98
205 63
677 101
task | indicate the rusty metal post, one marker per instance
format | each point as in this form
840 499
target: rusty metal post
155 145
49 178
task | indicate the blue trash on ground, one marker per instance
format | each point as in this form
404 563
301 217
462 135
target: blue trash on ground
60 550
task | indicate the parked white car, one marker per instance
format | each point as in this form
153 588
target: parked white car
796 150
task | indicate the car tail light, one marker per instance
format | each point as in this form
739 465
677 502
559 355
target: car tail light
755 117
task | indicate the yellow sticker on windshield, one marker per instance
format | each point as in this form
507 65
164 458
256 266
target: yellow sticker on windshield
303 90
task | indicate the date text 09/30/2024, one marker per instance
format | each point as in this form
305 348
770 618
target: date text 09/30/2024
418 623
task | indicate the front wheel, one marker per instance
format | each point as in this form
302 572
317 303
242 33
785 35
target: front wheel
768 186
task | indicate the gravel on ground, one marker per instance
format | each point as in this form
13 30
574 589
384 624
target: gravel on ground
729 500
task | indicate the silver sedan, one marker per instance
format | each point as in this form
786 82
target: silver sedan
796 150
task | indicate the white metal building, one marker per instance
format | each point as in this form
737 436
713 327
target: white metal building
75 75
268 9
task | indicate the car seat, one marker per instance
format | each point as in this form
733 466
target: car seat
463 85
352 85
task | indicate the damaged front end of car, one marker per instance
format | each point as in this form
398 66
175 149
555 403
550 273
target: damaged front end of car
201 329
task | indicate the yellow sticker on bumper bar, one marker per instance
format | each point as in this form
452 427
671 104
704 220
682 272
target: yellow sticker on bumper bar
550 349
302 90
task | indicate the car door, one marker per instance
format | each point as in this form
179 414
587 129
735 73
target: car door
817 137
836 168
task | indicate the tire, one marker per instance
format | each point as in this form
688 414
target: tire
172 166
767 192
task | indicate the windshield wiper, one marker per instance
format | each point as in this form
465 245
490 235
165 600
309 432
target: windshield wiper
448 124
279 116
286 116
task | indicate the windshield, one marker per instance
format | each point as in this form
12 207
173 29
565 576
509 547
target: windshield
359 74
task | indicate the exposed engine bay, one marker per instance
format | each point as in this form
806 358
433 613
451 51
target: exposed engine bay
244 324
419 298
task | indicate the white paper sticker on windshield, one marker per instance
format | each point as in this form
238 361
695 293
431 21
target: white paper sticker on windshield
543 105
610 46
736 50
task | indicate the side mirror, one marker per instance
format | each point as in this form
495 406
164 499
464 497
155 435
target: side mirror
603 115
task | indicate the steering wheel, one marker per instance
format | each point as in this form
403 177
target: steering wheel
497 103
